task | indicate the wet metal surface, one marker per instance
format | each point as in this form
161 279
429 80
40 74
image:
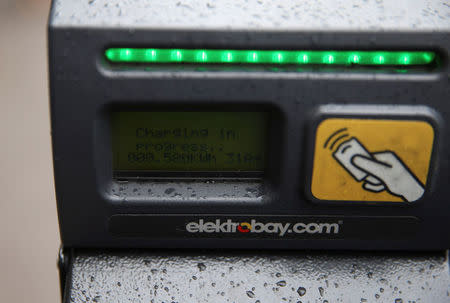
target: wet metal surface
257 14
168 276
210 191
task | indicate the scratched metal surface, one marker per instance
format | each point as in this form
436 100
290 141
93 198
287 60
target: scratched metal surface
167 276
276 15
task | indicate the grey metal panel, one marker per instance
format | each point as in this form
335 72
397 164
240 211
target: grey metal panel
279 15
165 276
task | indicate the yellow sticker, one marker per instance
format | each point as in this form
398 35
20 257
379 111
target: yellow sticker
371 160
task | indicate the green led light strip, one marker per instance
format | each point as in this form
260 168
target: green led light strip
277 57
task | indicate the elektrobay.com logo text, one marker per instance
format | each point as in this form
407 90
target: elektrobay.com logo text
253 226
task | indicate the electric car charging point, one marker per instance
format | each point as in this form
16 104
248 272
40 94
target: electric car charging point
216 136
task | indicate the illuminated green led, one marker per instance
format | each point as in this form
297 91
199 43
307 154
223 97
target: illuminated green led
277 57
150 55
328 59
177 55
227 56
303 58
201 56
252 57
354 58
126 54
271 57
428 56
404 59
378 59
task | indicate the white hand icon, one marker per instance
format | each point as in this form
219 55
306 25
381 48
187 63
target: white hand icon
396 177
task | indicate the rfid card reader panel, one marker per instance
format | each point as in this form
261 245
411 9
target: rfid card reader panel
190 136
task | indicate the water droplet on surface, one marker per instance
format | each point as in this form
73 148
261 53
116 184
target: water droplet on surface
250 294
398 300
201 266
281 283
321 291
169 191
301 291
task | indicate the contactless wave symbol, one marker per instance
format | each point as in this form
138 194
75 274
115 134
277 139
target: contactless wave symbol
379 171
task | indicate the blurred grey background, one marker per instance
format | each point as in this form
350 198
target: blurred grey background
29 235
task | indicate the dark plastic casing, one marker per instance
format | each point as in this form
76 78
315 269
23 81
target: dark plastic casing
97 211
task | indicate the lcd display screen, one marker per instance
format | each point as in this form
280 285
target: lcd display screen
201 143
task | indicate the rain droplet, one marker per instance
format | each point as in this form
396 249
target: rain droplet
281 283
301 291
321 291
250 294
169 191
201 266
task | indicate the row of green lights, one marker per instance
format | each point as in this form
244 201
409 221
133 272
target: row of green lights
215 56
